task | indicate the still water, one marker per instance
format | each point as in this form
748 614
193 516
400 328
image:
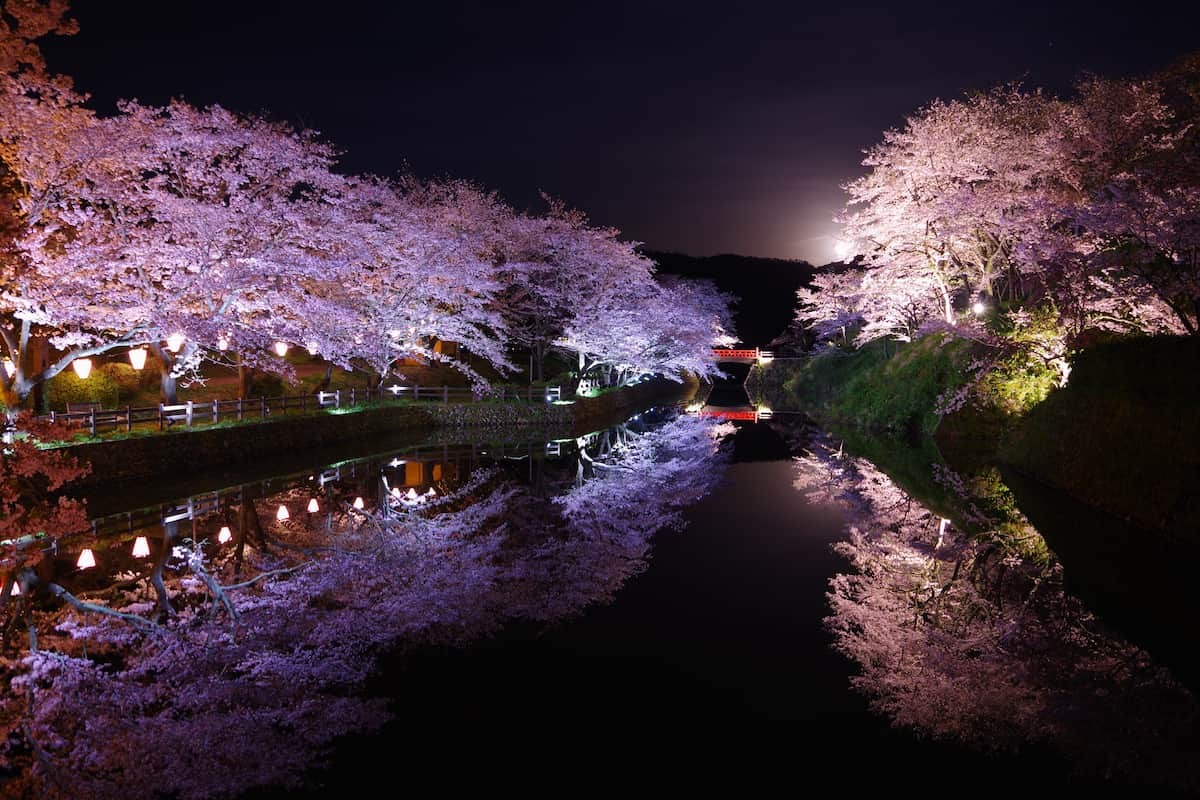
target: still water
674 598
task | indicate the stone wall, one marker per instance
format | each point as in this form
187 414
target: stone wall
217 449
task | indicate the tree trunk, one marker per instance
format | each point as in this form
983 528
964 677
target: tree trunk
168 392
324 384
245 379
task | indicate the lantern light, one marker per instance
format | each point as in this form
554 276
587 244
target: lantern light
82 367
978 308
312 506
16 590
282 513
396 492
137 358
281 349
224 535
175 341
313 347
412 494
431 492
358 503
222 343
141 547
9 367
86 559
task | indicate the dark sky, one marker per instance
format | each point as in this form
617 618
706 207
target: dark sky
692 126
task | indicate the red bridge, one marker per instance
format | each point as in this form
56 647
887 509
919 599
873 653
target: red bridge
754 356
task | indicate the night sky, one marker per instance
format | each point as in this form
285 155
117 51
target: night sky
691 126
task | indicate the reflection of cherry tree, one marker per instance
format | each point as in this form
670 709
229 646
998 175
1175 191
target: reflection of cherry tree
255 671
973 638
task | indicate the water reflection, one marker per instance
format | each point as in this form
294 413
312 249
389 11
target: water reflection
217 662
972 636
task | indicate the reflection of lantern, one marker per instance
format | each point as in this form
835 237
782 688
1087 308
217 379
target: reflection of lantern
281 349
224 535
137 358
82 367
9 367
358 503
141 547
222 344
86 559
412 494
282 513
175 341
396 491
313 507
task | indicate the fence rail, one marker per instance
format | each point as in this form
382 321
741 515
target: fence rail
192 413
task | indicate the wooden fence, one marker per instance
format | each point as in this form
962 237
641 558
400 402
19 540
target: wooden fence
93 418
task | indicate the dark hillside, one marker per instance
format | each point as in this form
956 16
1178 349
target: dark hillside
766 287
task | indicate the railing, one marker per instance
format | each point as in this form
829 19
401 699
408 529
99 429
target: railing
729 354
192 412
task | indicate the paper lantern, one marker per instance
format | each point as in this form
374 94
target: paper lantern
175 341
86 559
313 507
82 367
141 547
224 535
137 358
358 503
282 513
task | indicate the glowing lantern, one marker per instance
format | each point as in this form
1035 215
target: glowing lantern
359 504
16 590
431 492
978 308
282 513
82 367
224 535
281 349
313 507
222 344
137 358
175 341
86 559
412 494
9 367
312 348
396 492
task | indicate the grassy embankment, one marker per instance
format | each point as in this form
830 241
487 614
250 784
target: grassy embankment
1123 435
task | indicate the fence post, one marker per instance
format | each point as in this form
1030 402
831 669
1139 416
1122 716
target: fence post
337 398
353 396
216 411
239 409
303 404
161 420
263 412
445 394
416 393
128 418
189 414
283 405
92 419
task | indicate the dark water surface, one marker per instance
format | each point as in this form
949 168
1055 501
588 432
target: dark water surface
713 665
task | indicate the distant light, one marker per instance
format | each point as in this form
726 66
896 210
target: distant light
175 341
224 535
137 357
312 347
82 367
396 462
9 367
86 559
141 547
841 250
359 504
431 492
979 308
313 507
281 349
282 513
222 344
16 590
